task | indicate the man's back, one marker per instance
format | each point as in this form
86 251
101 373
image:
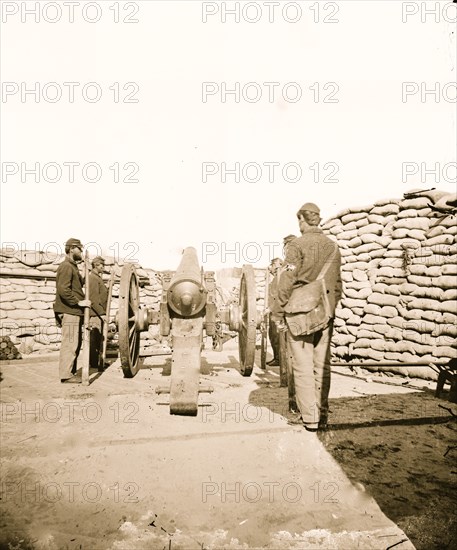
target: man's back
305 258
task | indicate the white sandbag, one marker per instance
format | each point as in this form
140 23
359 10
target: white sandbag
392 289
372 228
391 272
386 209
354 320
408 213
416 203
440 239
450 294
383 299
368 353
353 217
360 275
445 352
389 312
392 262
369 319
368 248
355 242
450 269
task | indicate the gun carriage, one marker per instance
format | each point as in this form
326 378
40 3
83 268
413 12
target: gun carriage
187 312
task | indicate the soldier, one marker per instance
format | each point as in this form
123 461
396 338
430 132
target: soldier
272 305
286 241
68 310
275 270
98 294
305 257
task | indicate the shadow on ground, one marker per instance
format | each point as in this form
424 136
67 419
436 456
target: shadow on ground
400 447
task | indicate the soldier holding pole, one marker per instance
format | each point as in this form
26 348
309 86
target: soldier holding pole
69 310
272 304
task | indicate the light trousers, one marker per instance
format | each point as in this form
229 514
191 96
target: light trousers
311 366
71 344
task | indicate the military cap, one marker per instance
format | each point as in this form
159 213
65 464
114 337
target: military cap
98 260
276 261
74 242
289 238
310 207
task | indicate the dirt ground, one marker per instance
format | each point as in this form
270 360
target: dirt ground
402 448
107 467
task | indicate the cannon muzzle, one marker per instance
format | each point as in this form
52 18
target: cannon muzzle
187 292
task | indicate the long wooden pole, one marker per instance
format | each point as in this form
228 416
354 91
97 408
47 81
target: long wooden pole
106 325
86 348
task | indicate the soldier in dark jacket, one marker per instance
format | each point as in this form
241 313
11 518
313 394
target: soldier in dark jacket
98 294
68 309
275 270
272 305
305 257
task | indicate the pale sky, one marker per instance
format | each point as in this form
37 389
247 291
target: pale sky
361 61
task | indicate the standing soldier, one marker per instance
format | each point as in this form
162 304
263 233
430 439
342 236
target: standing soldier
275 270
286 242
98 294
305 258
272 305
68 310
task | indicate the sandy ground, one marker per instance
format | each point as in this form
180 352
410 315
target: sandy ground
107 467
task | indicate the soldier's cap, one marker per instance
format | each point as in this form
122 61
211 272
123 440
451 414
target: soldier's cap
74 242
289 238
98 260
310 207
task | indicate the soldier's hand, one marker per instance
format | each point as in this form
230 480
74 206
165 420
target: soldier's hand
84 303
281 326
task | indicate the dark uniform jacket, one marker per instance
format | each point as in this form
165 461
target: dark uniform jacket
98 295
305 257
69 289
273 294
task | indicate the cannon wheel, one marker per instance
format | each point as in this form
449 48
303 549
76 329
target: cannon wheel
248 320
129 338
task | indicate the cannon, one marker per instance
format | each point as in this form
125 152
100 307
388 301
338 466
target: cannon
187 312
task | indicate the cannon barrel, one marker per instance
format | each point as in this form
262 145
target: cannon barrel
187 293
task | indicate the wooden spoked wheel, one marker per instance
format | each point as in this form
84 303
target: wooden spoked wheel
248 320
129 336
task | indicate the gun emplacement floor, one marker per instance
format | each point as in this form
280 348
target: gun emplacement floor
107 466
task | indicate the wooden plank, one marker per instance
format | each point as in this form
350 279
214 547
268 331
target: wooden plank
185 365
86 349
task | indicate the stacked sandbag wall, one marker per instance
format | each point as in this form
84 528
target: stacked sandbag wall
27 294
399 272
27 316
